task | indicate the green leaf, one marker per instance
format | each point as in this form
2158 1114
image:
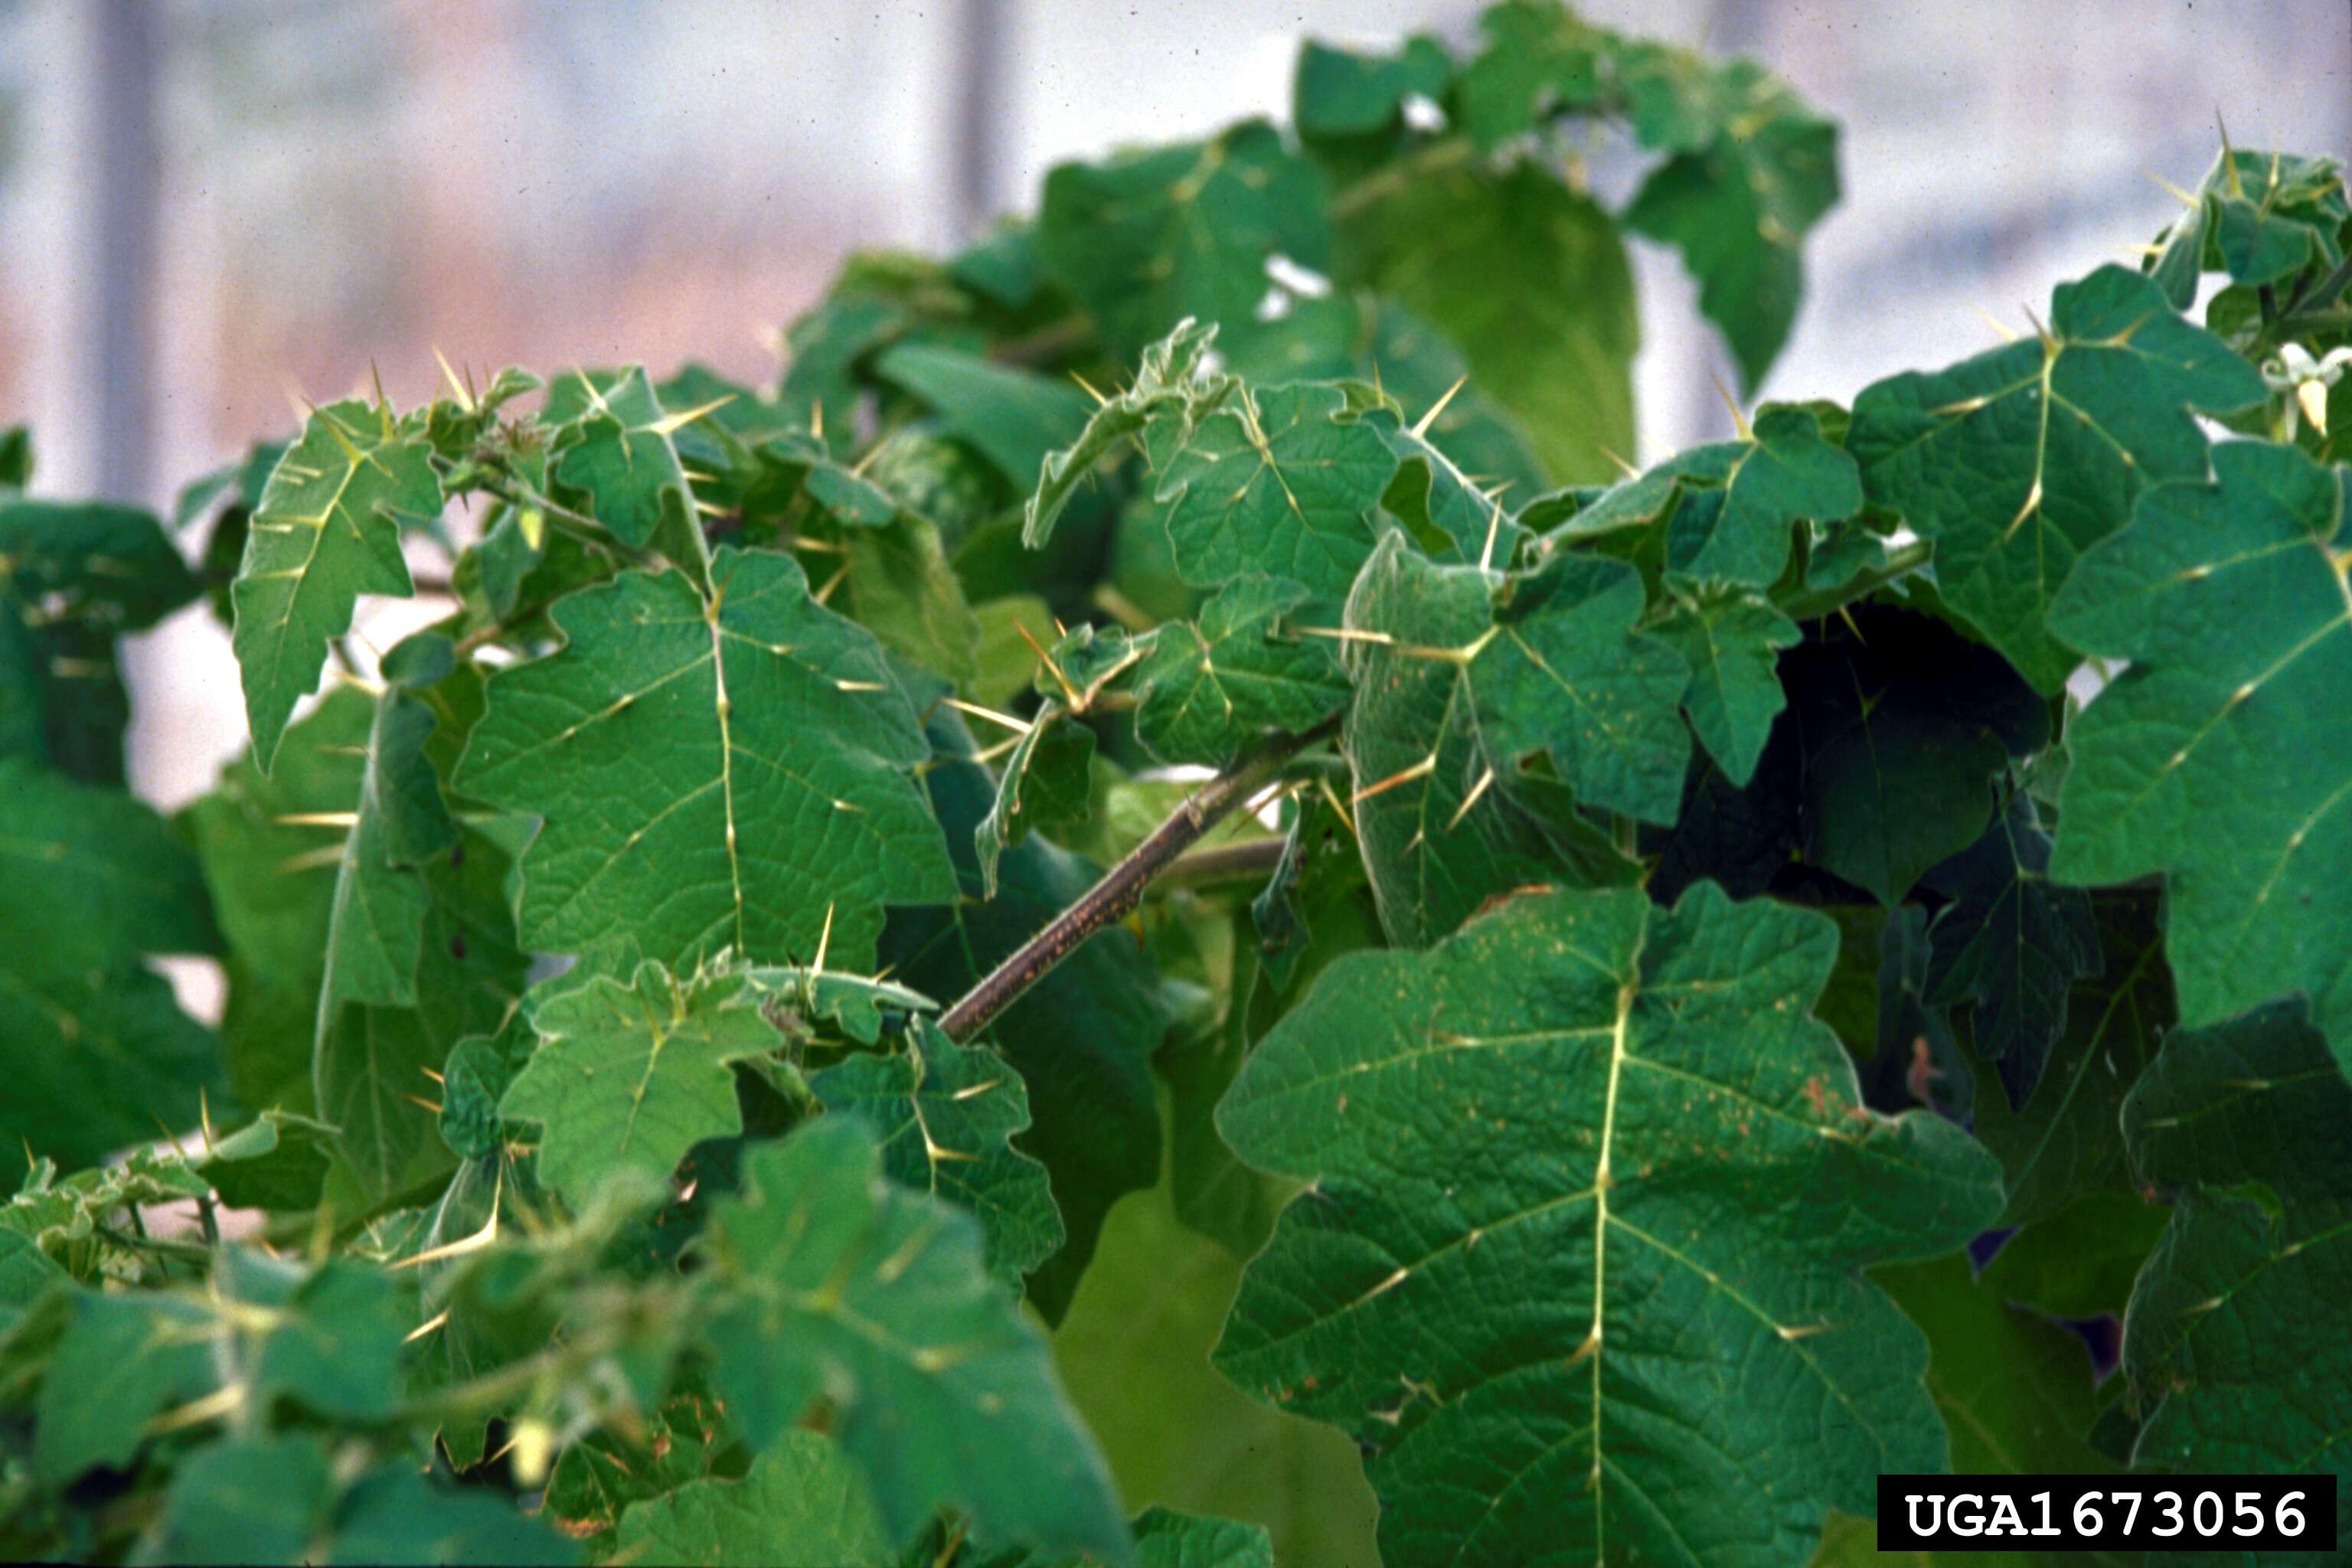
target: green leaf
328 530
74 578
630 1076
1211 690
121 1360
368 1062
607 1474
2223 757
2015 1392
947 1114
247 1500
2010 945
2262 217
1732 642
1148 238
1135 1353
903 590
875 1298
1047 784
1165 1539
1739 202
1082 1036
91 881
2081 1261
1741 498
1566 672
2239 1342
1900 727
1338 92
2017 461
2066 1142
1169 384
274 1162
620 456
1446 820
1280 482
327 1339
1591 1198
1530 279
376 927
714 774
1014 417
398 1516
801 1505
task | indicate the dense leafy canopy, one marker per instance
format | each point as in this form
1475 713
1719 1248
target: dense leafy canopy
1152 913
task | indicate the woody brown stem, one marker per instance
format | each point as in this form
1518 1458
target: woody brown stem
1110 901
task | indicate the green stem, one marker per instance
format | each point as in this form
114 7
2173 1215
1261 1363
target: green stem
1899 564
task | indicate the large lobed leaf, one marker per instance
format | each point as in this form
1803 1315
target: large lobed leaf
715 773
2223 756
2017 461
1579 1264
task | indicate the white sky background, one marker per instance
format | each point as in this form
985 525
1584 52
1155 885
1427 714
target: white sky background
552 181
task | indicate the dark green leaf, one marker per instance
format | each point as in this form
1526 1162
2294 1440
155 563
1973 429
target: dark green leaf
1592 1194
2017 461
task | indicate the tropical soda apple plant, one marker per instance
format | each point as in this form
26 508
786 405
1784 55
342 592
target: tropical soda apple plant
1152 913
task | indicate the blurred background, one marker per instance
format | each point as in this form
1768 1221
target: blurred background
207 205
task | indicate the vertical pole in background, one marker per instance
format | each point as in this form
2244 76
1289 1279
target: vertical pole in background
975 160
118 337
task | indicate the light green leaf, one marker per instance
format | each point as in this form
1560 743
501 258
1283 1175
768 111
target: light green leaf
2239 1342
2223 757
1280 482
903 590
1732 642
2017 461
328 531
397 1516
1149 238
1530 280
1592 1194
1135 1353
946 1115
630 1076
1209 690
714 774
876 1299
801 1505
1014 417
